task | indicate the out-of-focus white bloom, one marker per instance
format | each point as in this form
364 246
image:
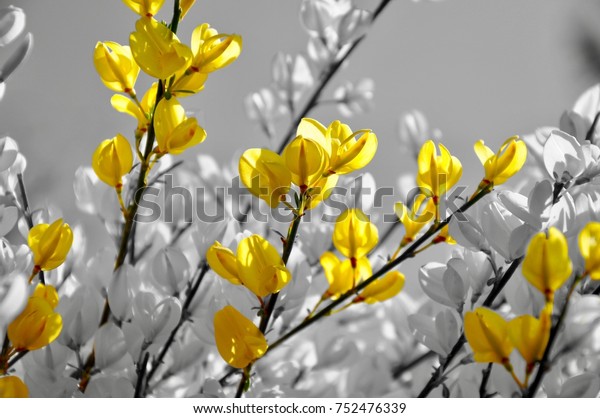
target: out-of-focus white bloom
438 333
535 209
89 191
369 378
81 315
431 279
353 25
13 297
110 387
12 24
44 372
155 319
414 130
185 354
510 234
8 152
18 56
563 157
477 267
522 297
320 17
124 286
291 75
581 324
354 99
171 270
292 298
265 107
109 345
578 121
586 385
468 233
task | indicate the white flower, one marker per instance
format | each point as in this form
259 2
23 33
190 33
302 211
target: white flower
291 75
578 121
438 333
563 157
354 99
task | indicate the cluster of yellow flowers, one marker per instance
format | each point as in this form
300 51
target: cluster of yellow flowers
547 266
181 70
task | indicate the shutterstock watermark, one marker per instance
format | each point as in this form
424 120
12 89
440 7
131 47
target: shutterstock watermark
172 203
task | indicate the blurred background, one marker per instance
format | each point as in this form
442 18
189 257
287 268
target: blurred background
477 68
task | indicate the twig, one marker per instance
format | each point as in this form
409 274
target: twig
139 387
400 369
485 377
27 213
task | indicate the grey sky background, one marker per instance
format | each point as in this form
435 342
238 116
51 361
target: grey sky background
477 68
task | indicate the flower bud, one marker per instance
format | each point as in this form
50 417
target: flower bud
13 387
50 244
170 269
265 175
306 160
487 334
382 289
116 67
503 165
112 160
212 50
354 235
589 245
174 131
145 8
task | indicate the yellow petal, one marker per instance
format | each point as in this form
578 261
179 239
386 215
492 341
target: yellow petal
589 245
146 8
223 262
112 160
487 334
265 175
239 341
306 161
13 387
50 244
530 336
382 289
313 129
116 66
354 235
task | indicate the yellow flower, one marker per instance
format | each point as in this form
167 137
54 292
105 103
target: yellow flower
157 49
589 245
530 335
321 190
306 160
239 341
437 173
116 66
212 50
260 266
547 265
444 236
174 131
185 6
38 325
346 153
112 160
487 333
126 105
343 275
50 244
422 213
354 235
382 289
223 262
503 165
13 387
265 175
147 8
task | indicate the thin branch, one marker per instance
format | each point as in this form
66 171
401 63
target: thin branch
400 369
27 213
485 377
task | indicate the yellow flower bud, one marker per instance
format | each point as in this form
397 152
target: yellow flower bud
223 262
265 175
116 66
349 153
321 190
126 105
260 266
174 131
306 160
382 289
212 50
13 387
185 6
589 245
530 335
38 325
354 235
157 50
50 244
547 265
112 160
239 341
422 213
147 8
343 275
487 334
437 173
503 165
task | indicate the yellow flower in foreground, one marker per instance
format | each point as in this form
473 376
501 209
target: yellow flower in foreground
487 334
547 265
503 165
354 235
223 262
185 6
306 160
343 275
589 245
13 387
346 152
265 175
321 190
157 50
257 265
260 266
239 341
116 66
437 173
413 221
530 335
212 50
50 244
382 289
38 325
174 131
112 160
147 8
